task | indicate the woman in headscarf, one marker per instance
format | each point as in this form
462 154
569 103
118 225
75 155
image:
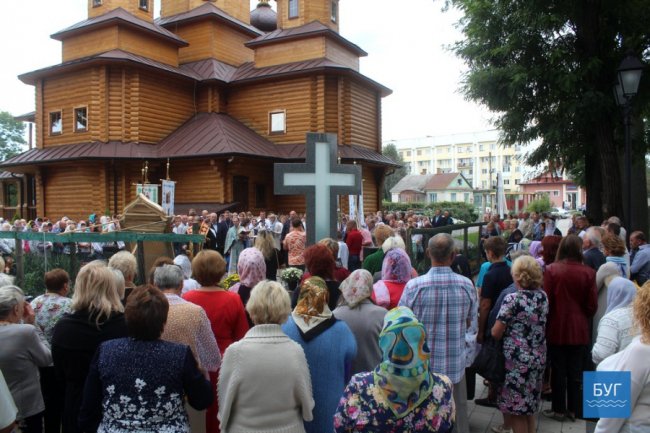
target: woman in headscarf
251 269
364 318
535 249
396 271
329 346
320 262
615 265
401 394
616 329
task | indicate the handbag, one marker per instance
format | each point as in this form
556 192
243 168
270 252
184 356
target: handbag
490 361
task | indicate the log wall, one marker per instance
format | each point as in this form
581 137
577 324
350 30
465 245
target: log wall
131 6
362 121
209 99
74 190
290 51
339 54
308 11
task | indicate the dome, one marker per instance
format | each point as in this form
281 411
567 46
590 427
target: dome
264 18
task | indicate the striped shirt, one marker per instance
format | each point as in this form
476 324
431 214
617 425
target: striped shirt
444 302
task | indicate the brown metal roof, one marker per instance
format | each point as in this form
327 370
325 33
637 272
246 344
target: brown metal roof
27 117
121 16
441 181
216 134
210 69
248 72
346 152
205 134
314 28
109 56
208 10
71 152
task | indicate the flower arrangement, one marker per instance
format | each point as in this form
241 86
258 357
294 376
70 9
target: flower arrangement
230 281
291 275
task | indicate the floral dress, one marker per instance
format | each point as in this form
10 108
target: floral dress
363 408
48 309
524 345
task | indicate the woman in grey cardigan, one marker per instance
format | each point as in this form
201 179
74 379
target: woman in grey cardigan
364 318
23 351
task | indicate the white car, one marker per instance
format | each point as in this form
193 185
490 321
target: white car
559 212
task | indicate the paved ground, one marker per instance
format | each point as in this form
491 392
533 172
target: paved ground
481 419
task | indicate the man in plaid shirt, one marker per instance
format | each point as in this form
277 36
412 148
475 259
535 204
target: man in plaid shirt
445 303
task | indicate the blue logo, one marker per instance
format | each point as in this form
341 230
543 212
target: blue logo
606 394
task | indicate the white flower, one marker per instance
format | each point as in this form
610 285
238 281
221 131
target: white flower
124 399
139 383
110 389
160 391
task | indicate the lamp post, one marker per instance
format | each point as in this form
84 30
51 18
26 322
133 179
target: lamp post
629 75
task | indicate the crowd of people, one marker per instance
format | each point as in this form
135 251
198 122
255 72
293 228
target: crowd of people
362 344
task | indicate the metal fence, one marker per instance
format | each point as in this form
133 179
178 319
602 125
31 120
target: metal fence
29 267
467 238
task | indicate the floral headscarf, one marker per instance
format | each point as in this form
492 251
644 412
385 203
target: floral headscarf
356 287
312 310
403 375
251 267
620 293
396 266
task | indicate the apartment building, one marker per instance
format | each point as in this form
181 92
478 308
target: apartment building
477 156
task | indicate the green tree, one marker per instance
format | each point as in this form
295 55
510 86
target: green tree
11 136
547 70
391 180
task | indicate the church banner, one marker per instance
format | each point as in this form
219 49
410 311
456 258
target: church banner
168 190
149 190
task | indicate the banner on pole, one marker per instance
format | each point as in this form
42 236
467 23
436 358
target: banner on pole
149 190
168 190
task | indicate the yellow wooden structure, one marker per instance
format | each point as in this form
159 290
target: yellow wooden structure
202 87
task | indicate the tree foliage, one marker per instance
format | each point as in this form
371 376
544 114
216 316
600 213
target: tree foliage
11 136
391 180
547 70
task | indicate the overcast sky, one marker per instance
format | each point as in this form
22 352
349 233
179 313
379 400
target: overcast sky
405 45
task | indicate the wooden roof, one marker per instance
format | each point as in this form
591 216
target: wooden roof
314 28
208 10
119 16
205 134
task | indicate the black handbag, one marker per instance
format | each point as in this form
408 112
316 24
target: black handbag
490 361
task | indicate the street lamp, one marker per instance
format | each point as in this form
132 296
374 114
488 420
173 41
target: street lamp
629 75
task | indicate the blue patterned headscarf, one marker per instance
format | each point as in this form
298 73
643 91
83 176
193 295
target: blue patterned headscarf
403 375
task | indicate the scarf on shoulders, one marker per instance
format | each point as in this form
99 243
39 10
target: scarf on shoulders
621 264
312 315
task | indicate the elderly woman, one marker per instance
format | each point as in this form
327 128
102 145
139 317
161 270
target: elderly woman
187 323
340 273
149 394
97 317
329 346
521 323
126 263
251 269
635 360
185 264
400 394
616 329
615 266
550 245
274 395
224 309
23 352
535 249
364 318
395 273
571 289
320 263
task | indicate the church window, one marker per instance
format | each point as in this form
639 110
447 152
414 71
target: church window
11 195
293 8
97 3
277 122
81 119
56 123
335 10
144 5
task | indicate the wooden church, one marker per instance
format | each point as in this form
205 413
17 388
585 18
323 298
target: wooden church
219 91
